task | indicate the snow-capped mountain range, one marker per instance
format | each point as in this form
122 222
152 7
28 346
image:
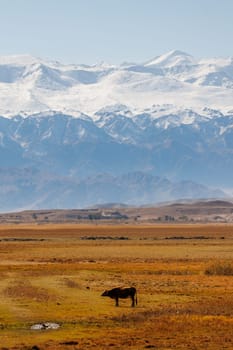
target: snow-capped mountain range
77 135
29 85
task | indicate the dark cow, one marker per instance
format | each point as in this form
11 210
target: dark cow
123 293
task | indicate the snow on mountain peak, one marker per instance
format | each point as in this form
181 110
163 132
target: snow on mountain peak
31 85
171 59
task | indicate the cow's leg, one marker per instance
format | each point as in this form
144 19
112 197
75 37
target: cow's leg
117 301
133 302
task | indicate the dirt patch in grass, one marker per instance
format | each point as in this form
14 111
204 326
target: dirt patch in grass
23 289
70 283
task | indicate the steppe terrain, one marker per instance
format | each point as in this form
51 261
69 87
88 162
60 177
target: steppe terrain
57 272
205 211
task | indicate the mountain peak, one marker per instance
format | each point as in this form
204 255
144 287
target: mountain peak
171 58
29 84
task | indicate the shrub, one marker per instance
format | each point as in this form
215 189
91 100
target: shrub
223 268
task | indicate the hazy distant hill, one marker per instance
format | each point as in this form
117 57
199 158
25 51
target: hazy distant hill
30 189
183 212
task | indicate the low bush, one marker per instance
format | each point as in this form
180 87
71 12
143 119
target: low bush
220 268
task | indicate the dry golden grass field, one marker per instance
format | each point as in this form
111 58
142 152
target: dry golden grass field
56 273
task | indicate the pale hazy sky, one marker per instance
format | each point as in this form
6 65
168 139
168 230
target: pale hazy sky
90 31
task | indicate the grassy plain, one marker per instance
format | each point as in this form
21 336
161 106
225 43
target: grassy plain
56 273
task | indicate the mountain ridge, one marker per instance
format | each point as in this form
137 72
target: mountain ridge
80 129
31 85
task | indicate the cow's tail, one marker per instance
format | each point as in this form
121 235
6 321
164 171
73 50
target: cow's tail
136 299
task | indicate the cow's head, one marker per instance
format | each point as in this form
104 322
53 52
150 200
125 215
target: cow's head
105 294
